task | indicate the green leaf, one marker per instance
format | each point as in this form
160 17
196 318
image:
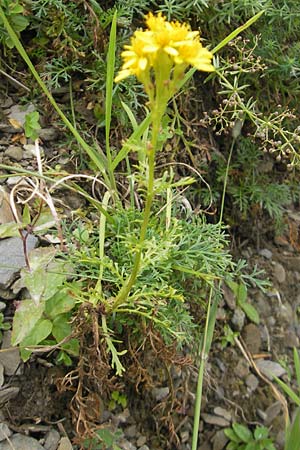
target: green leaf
32 125
261 433
19 23
297 366
232 435
241 294
41 331
59 303
43 282
61 327
293 396
10 229
242 432
106 436
250 312
25 318
292 434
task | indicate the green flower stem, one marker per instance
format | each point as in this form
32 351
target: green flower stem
158 111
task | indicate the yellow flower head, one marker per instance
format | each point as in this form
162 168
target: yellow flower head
163 42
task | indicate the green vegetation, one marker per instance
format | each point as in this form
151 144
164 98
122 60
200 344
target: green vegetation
142 261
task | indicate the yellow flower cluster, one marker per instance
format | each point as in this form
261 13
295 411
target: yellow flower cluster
163 42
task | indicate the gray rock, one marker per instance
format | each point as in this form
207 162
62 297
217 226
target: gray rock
12 181
126 445
2 306
5 432
131 431
48 134
51 440
160 393
184 436
21 442
14 152
279 272
1 375
141 441
270 368
229 297
272 412
12 258
10 359
252 382
285 313
18 112
122 417
65 444
7 394
144 447
291 340
252 339
215 420
242 369
219 440
266 253
238 319
223 413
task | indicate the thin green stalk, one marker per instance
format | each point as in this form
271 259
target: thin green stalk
226 181
124 291
204 346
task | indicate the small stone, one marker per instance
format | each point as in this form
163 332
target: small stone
272 412
266 253
64 444
51 440
12 181
14 152
184 436
21 442
144 447
160 393
221 314
229 297
122 417
290 339
126 445
2 306
279 272
219 440
19 112
5 432
251 336
252 382
242 369
270 368
1 375
48 134
12 257
215 420
285 313
131 431
238 319
7 394
223 413
10 359
141 441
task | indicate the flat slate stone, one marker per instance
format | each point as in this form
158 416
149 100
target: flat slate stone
21 442
12 258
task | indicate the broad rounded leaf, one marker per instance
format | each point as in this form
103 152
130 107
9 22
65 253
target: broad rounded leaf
25 318
59 303
242 432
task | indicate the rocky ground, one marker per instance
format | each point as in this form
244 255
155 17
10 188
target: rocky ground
238 386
